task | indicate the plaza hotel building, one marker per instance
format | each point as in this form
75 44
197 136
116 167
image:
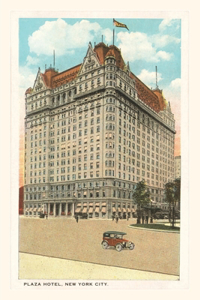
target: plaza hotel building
91 133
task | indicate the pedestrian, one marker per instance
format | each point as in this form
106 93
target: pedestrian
117 218
77 218
46 216
113 217
142 219
127 218
147 219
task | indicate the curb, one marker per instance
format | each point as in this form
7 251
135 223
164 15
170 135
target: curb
150 229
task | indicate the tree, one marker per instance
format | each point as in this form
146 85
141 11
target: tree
140 197
172 196
177 190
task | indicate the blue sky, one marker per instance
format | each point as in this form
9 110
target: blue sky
148 43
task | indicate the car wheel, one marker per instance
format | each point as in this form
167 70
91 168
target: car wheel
104 245
118 247
132 246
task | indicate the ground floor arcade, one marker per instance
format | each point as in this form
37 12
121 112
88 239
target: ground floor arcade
84 209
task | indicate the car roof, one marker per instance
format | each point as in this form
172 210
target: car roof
114 232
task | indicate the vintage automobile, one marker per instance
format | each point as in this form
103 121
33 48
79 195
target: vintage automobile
115 239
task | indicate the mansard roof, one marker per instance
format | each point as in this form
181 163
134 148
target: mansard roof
152 98
65 77
53 79
103 51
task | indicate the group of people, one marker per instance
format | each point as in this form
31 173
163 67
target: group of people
116 218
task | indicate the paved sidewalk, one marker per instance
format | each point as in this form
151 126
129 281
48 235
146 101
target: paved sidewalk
43 267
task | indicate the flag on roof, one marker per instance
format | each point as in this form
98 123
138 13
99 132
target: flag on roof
118 24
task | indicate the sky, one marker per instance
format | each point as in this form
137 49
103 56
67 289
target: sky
148 43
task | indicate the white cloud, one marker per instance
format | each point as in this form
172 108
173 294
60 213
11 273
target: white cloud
165 23
138 46
149 78
32 60
62 37
172 93
164 55
170 24
160 40
176 84
108 35
26 77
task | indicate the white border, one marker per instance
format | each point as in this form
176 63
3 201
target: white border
183 283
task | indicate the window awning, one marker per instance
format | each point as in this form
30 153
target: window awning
133 210
123 209
128 209
35 209
96 204
90 210
27 209
104 204
97 210
103 210
30 209
119 209
84 210
79 204
77 210
84 204
91 204
114 209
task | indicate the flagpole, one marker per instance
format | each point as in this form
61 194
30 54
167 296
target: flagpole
113 37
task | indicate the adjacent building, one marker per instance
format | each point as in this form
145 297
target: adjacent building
178 166
21 200
91 133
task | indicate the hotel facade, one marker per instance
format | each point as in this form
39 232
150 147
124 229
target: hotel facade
91 133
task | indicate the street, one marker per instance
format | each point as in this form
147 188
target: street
65 238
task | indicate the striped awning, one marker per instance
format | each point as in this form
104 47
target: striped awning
84 204
103 210
97 210
78 210
79 204
104 204
84 210
91 204
114 209
90 210
119 209
128 209
124 209
96 204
